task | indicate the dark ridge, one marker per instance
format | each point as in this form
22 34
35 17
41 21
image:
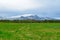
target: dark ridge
31 21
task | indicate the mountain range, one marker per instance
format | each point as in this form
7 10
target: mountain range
27 17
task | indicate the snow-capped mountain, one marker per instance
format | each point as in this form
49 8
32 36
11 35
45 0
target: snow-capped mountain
29 16
25 17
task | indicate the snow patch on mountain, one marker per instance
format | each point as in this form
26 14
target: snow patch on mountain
25 15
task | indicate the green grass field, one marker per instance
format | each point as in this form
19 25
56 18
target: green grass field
29 31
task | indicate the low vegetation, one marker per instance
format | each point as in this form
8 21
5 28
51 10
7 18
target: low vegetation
29 31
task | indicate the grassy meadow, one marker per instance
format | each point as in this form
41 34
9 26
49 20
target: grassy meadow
29 31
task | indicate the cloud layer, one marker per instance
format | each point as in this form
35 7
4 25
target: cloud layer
19 4
49 8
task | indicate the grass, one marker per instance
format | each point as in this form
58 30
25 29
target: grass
29 31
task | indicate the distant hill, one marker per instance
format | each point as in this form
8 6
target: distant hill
27 17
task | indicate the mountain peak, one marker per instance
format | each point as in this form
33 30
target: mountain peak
24 15
29 16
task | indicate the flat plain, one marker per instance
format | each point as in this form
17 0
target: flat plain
29 31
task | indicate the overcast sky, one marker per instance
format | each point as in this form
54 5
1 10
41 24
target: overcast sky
46 8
